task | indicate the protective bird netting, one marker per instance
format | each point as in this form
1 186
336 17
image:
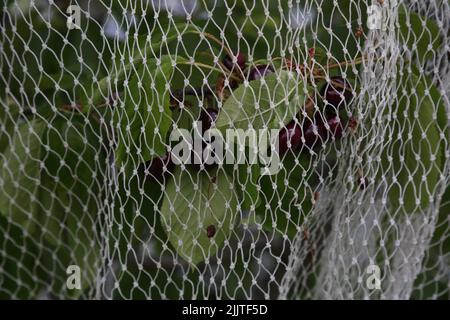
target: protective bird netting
127 130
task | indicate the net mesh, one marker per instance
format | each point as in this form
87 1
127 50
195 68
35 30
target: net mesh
98 98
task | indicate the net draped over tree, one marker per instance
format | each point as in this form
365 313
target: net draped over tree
108 166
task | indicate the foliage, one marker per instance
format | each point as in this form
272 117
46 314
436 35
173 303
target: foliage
55 159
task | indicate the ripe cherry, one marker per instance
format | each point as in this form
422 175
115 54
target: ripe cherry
113 99
207 118
260 71
337 93
289 137
336 127
315 134
210 231
157 167
240 61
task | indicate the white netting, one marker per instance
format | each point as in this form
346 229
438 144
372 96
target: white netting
95 95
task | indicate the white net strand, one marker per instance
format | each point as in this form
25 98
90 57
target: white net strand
347 237
355 222
433 280
88 184
376 45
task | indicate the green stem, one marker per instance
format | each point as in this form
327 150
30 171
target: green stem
349 62
206 66
335 83
213 38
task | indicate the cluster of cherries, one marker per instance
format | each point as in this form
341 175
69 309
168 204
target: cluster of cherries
314 132
295 136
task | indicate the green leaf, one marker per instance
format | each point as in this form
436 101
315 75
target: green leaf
247 184
245 177
8 117
20 175
287 207
286 197
435 97
57 203
271 101
145 117
69 197
418 31
131 227
432 287
83 242
417 150
139 47
74 163
437 100
70 193
71 231
193 202
441 233
22 280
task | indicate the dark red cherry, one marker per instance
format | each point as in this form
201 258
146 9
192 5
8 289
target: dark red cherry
113 99
313 133
289 137
260 71
319 136
207 118
240 61
157 167
336 127
337 93
210 231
